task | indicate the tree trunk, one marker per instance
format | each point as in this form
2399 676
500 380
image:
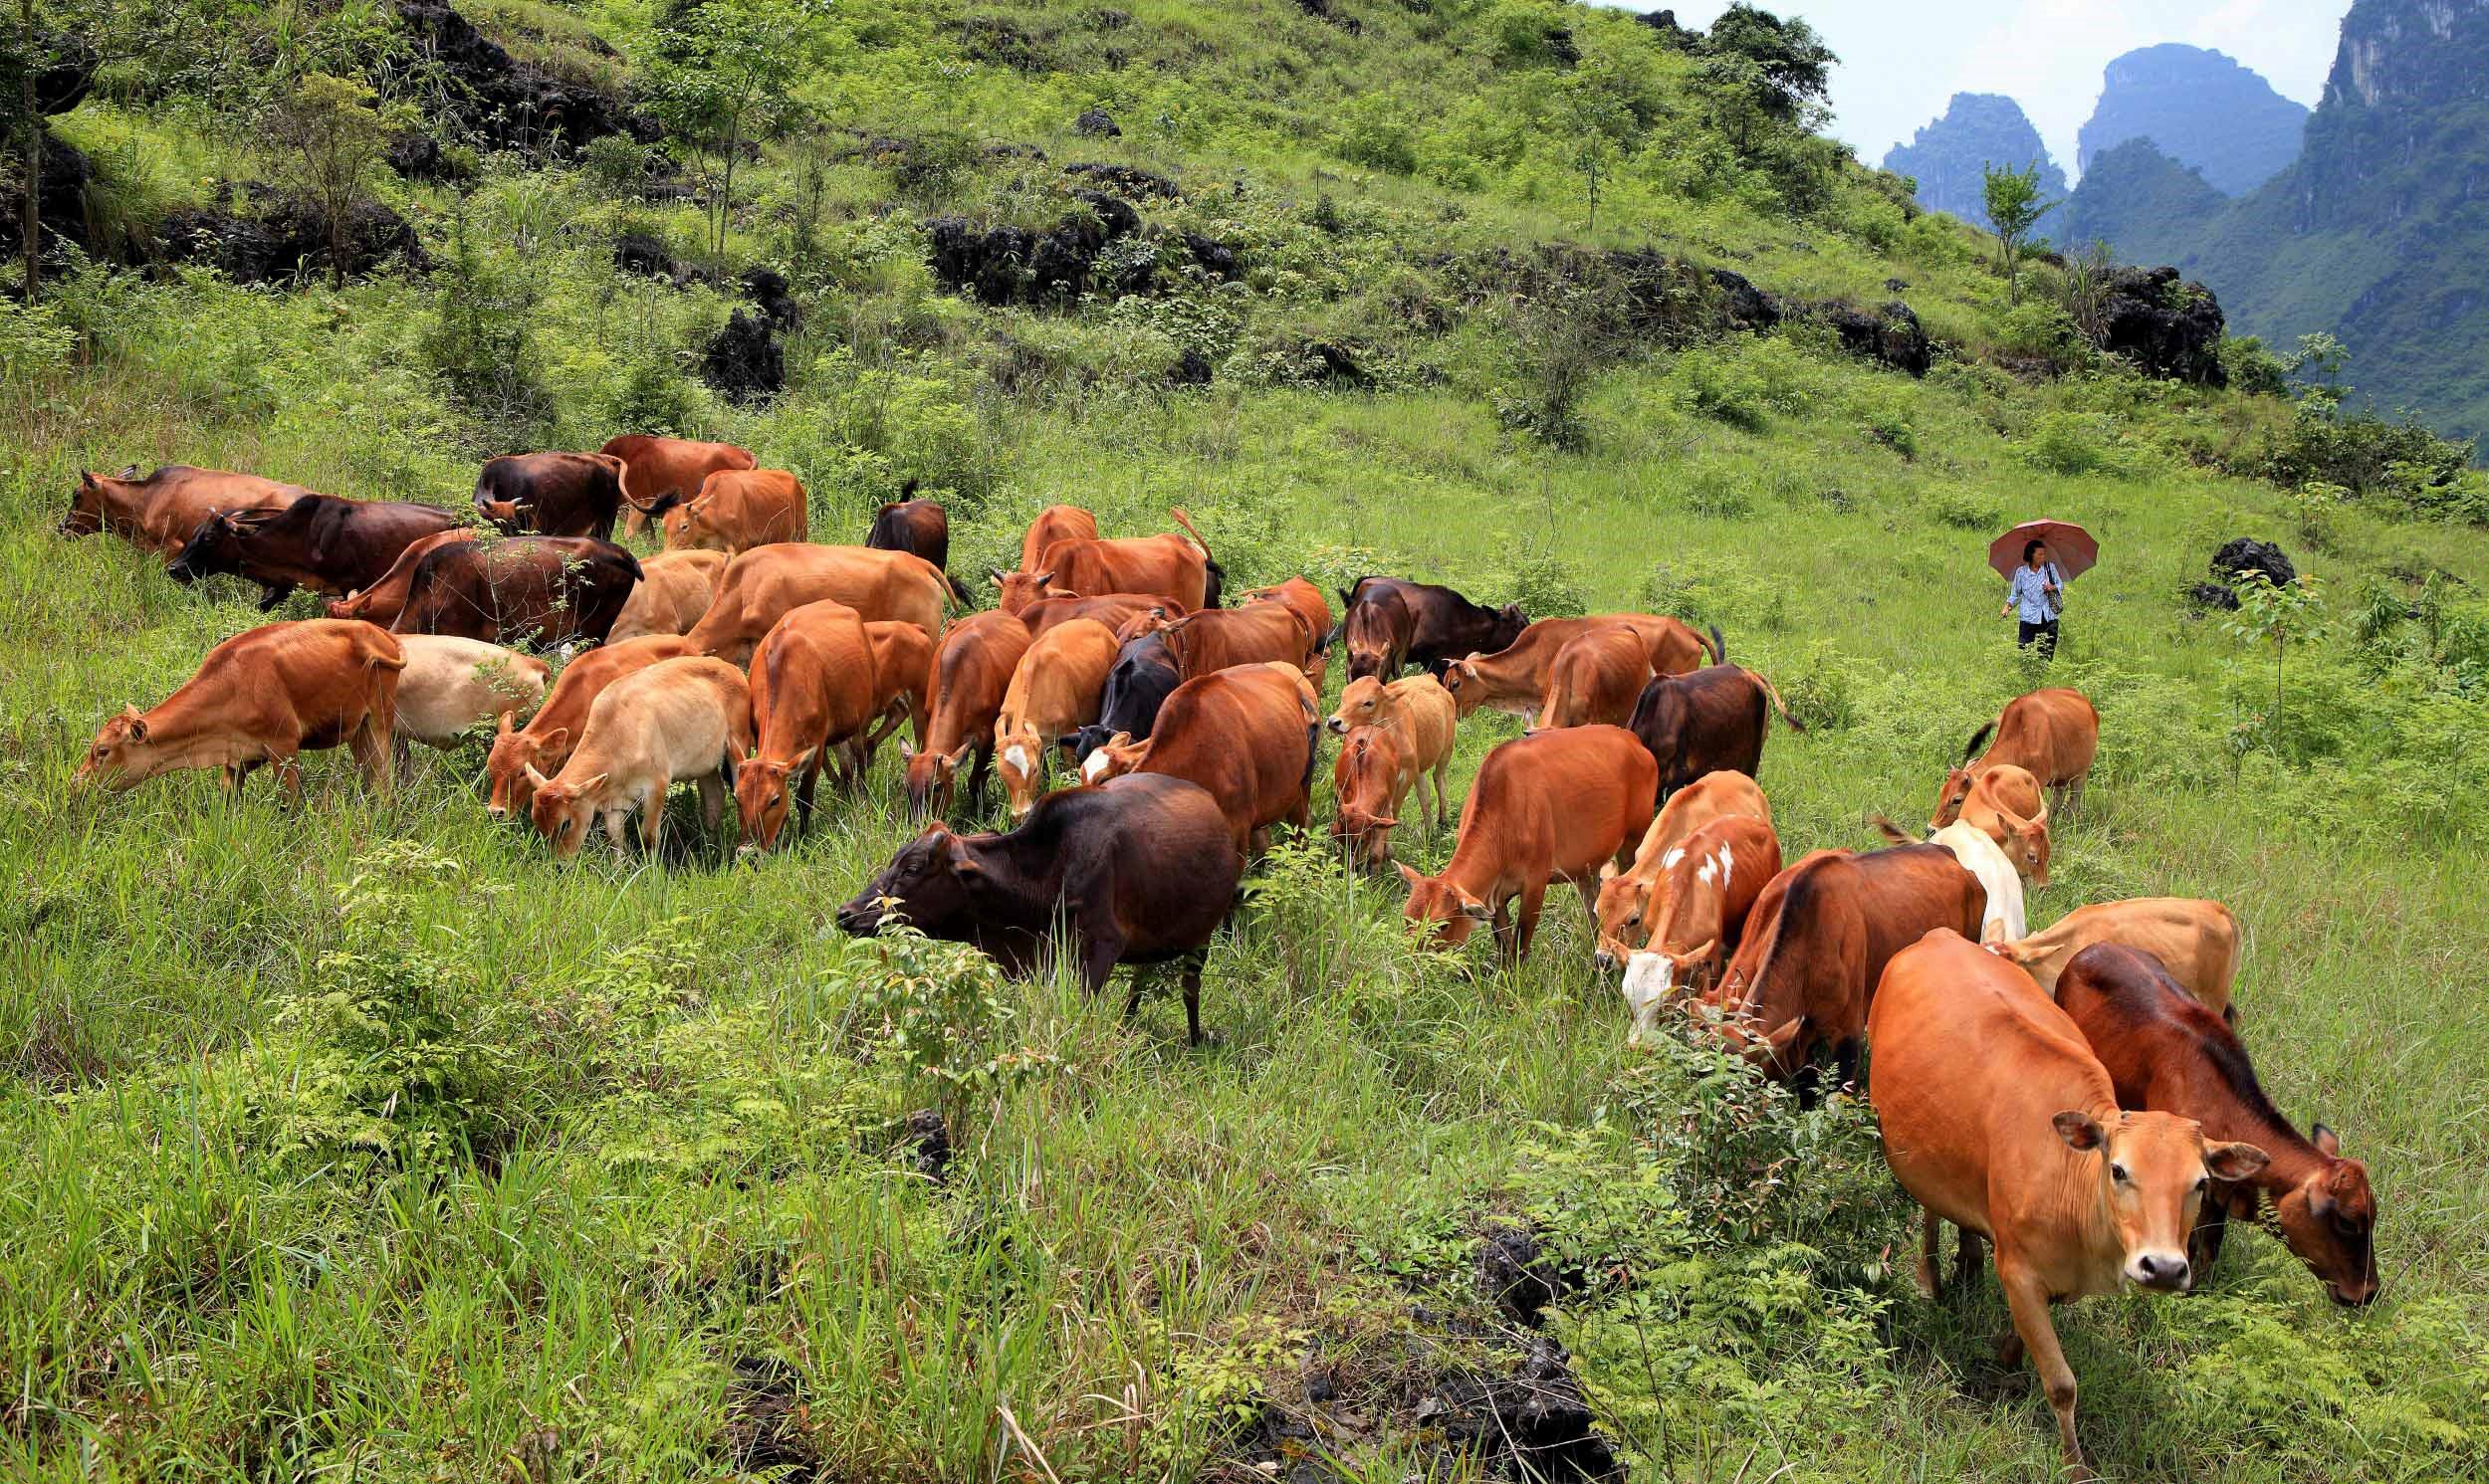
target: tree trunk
30 210
726 186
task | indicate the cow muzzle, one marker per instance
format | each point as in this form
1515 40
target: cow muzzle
2161 1272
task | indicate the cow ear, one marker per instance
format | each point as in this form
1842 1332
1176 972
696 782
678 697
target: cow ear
907 751
1120 739
1607 871
554 739
2327 1141
2078 1130
997 576
1475 911
960 755
506 724
137 726
1383 822
590 786
1408 875
538 779
2234 1162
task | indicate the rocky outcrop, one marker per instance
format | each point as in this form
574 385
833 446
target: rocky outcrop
1945 158
1890 336
507 104
2167 327
274 237
2200 108
743 361
1050 267
61 200
1097 123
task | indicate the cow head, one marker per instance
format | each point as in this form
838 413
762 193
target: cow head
215 548
1359 705
1020 758
1654 976
692 526
2153 1171
513 765
1112 758
1020 589
124 754
930 777
761 791
1436 906
926 882
562 808
2025 843
1366 778
86 505
1509 622
1469 690
1623 915
2330 1222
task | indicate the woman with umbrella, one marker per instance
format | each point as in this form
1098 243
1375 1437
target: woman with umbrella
2028 556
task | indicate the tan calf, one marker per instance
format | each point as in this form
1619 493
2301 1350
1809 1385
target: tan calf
1053 693
450 686
1421 716
677 720
672 595
2197 941
546 743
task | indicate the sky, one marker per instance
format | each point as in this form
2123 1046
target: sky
1902 62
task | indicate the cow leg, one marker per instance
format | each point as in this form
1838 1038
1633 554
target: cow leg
377 753
712 802
1193 997
804 794
651 822
289 776
1588 887
2027 1297
1533 901
273 593
1930 1253
977 780
1098 956
1969 1260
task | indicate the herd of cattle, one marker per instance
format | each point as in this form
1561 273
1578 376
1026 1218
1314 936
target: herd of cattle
2076 1097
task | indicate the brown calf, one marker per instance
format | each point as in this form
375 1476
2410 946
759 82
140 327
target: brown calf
1707 889
1255 634
1624 897
812 684
2053 732
1245 733
736 510
1053 694
1595 679
1420 714
550 736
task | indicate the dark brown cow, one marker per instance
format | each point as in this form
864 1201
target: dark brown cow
260 697
1818 939
920 527
1114 609
1247 734
161 513
550 494
1138 871
319 542
972 673
1711 721
384 600
1420 623
554 589
1055 523
654 468
1258 633
2167 1051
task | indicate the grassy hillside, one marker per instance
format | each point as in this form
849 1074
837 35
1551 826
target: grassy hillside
361 1139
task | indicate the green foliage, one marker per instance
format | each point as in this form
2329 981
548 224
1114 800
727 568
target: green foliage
2012 198
2073 443
1963 510
1717 591
2253 369
330 137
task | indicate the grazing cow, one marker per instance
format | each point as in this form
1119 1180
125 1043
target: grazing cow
654 468
1595 679
385 599
1055 523
677 720
550 736
1053 694
812 683
2053 732
550 494
319 542
971 674
1245 733
1171 564
1998 1118
1707 887
1420 715
1420 623
674 592
2004 805
736 510
1514 678
2001 880
161 513
1711 721
1142 677
1626 897
1548 805
1369 783
260 697
2197 941
451 686
1114 609
1817 941
903 660
1255 634
1306 601
2164 1051
1136 871
920 527
554 589
762 585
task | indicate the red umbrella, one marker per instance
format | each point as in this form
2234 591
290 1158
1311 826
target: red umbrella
2071 547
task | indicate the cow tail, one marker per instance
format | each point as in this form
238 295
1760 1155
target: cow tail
1891 831
1719 646
959 590
1213 587
1978 740
631 565
1779 704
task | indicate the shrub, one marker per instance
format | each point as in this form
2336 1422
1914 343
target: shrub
1543 584
1375 131
2253 369
2071 443
1962 509
1718 591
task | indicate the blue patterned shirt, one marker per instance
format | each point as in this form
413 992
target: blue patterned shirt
2026 594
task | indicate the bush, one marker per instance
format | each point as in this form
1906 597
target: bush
2253 370
1543 584
1375 131
1962 509
2071 444
1718 591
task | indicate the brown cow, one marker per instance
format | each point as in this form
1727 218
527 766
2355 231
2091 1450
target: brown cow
1257 634
555 589
262 697
812 683
1711 721
1817 941
162 511
551 494
1170 565
1245 733
550 736
677 720
2165 1051
1998 1118
1055 523
1548 805
1707 889
1624 897
921 528
386 597
319 542
971 674
1053 694
2053 732
674 592
1416 711
1514 678
1306 601
2005 805
2197 941
654 468
903 661
1113 609
1595 679
1369 783
1388 622
762 585
736 510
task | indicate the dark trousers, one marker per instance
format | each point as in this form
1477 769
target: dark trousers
2046 633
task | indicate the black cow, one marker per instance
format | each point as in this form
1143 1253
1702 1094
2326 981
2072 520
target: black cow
1711 719
1433 627
1141 870
551 588
319 542
920 529
550 494
1145 673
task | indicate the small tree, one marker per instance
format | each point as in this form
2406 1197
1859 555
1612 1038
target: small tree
722 80
330 136
2280 615
1791 62
2015 207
